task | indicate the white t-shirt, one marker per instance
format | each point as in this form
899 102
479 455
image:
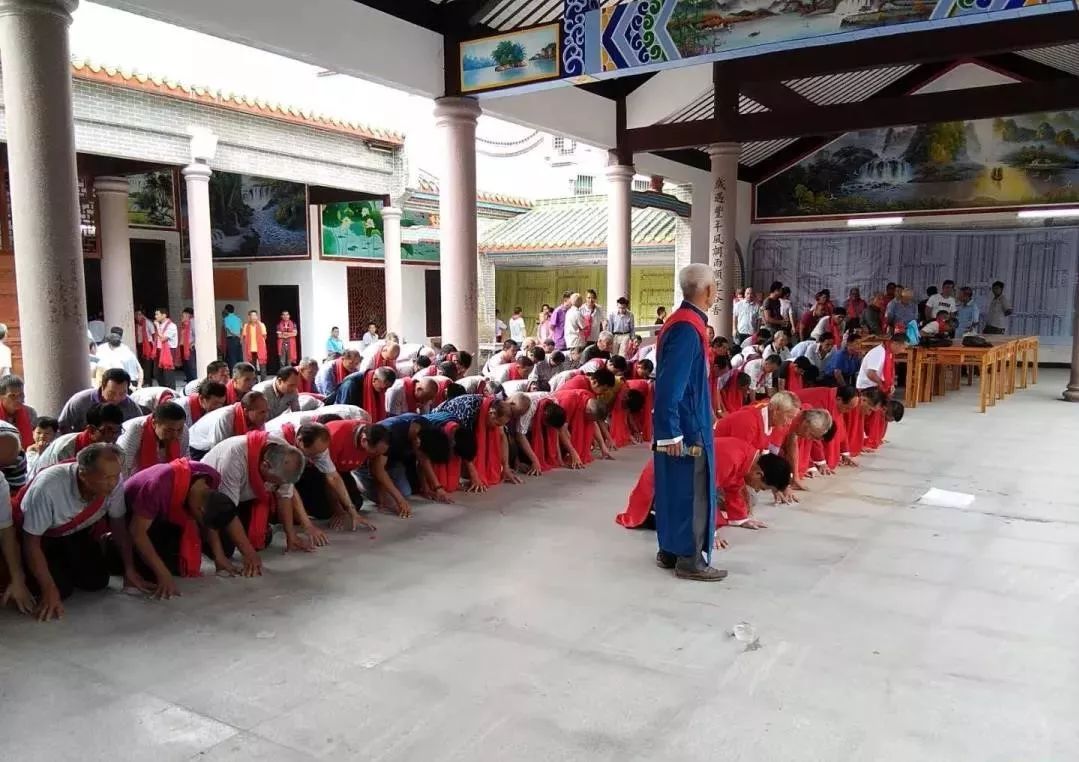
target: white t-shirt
524 423
53 500
471 383
213 428
61 448
559 379
396 400
873 360
118 357
148 397
573 328
810 350
229 458
517 329
5 504
512 387
939 302
759 379
130 442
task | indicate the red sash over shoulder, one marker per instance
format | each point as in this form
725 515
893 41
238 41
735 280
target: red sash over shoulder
231 394
76 522
185 341
574 401
344 452
21 421
288 433
374 402
685 315
190 537
579 382
339 371
195 406
543 439
640 498
148 444
164 352
488 446
449 473
83 439
411 406
264 497
260 340
239 420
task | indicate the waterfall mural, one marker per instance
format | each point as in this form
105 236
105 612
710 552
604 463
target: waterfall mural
983 164
257 217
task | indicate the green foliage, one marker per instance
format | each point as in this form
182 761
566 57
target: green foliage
508 53
228 211
154 203
937 144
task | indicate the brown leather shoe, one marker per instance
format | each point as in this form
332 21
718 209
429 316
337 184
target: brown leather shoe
701 574
665 560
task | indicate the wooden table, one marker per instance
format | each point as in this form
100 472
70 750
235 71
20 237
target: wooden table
1002 367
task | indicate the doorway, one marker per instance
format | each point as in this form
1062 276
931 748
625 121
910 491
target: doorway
273 300
92 271
149 276
366 300
432 282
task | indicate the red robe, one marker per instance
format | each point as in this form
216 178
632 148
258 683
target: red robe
488 446
374 402
643 417
574 402
143 333
876 423
190 536
580 381
826 398
259 330
733 397
344 452
21 421
543 439
449 473
746 424
619 419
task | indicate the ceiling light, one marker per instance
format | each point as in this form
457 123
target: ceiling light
1028 214
868 222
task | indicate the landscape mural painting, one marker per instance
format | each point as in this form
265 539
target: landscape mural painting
1004 162
354 230
611 37
528 55
256 217
151 199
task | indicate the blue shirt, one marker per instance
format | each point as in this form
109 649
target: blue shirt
325 380
899 313
233 325
843 361
967 317
334 346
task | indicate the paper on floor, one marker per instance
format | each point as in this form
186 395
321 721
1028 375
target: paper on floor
942 498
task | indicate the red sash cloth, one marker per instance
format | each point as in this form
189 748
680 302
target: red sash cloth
640 498
440 396
190 537
619 419
825 397
288 433
195 407
644 415
21 421
163 351
430 370
78 520
260 340
383 362
579 382
287 345
148 448
264 498
145 343
876 424
231 396
344 452
854 426
449 473
239 420
837 336
185 341
514 373
339 371
82 439
307 387
411 405
733 397
544 439
574 401
488 446
686 315
373 402
794 379
713 378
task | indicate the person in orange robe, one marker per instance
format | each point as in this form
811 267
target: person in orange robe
253 339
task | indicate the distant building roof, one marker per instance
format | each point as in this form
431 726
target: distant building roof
430 185
574 224
121 77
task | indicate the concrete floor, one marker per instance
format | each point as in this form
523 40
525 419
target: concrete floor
528 626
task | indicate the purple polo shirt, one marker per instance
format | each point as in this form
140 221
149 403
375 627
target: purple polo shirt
558 327
148 492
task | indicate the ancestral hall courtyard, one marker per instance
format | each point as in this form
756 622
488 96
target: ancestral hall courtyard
525 625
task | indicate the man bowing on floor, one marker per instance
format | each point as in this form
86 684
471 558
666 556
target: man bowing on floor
685 501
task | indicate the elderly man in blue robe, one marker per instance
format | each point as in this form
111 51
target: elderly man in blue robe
685 502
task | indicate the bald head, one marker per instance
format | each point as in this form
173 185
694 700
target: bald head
519 404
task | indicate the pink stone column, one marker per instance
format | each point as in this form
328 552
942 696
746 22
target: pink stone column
619 232
456 122
44 199
1071 393
197 177
115 243
723 244
391 238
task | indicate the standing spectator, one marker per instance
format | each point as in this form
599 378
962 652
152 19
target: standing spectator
967 315
621 324
371 336
500 327
517 326
286 339
543 324
187 345
575 337
813 315
115 354
786 311
254 342
232 327
772 310
996 317
144 343
167 340
902 310
746 317
5 352
661 315
945 300
873 317
855 305
889 294
558 321
591 317
334 346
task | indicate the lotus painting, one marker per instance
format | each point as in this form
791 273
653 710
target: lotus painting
528 55
1005 162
